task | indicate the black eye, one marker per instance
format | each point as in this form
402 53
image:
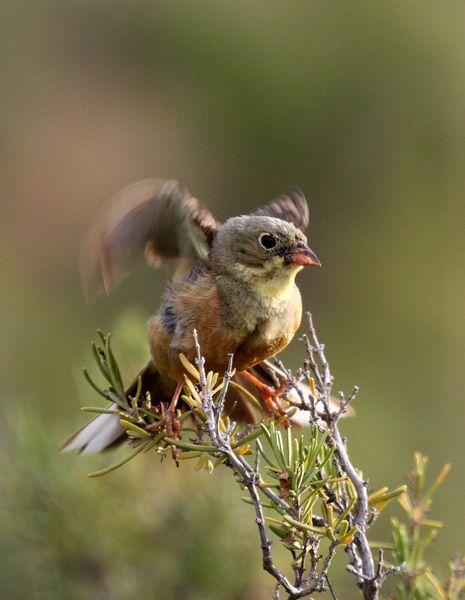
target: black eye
267 240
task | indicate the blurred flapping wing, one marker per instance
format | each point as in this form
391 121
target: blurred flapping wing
156 218
292 206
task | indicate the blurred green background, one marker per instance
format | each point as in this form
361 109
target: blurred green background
359 103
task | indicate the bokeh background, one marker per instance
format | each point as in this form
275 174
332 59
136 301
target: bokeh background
359 103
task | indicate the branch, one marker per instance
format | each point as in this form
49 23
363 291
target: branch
247 476
362 564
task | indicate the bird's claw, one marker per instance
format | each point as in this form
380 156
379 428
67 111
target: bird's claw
271 402
270 396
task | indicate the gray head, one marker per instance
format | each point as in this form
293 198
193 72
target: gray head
259 247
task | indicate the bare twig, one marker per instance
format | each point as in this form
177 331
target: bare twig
247 476
362 563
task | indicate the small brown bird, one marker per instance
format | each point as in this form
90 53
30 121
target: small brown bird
234 283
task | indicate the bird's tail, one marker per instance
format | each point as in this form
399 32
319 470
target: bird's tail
104 431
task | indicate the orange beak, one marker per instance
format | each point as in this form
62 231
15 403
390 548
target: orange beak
302 255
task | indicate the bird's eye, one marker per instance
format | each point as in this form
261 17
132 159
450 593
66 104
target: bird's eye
267 240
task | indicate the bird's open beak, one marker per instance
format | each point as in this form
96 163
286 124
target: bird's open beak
302 255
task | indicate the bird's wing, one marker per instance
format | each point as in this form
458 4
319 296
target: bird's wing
156 218
291 206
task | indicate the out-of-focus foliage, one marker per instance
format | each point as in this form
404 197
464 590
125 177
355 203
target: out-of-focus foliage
361 104
413 539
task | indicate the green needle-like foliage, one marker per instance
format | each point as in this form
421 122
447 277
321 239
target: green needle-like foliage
302 473
413 538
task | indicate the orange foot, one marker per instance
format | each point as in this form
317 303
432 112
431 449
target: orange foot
270 396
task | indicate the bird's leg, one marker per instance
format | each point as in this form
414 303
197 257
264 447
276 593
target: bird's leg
270 396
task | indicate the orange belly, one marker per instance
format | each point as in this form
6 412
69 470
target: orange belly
201 311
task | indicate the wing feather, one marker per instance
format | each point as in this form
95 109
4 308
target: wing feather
291 206
156 218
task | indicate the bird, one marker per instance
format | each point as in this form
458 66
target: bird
234 283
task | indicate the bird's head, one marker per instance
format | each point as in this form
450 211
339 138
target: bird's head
259 249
